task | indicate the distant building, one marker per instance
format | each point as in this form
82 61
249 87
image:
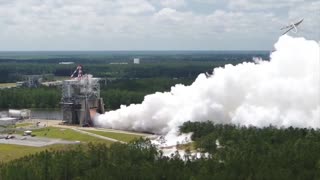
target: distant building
136 61
66 62
20 83
32 81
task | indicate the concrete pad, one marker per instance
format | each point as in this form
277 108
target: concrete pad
35 141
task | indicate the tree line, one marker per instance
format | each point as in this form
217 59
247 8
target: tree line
154 64
12 72
242 153
43 97
115 93
259 153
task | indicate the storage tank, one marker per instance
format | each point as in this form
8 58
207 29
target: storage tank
20 114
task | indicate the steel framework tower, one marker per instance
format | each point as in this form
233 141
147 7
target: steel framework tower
80 100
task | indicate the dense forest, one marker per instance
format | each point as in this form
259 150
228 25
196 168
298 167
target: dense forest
125 83
115 93
12 72
259 153
44 97
14 65
235 153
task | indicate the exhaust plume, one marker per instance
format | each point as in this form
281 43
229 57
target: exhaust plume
281 92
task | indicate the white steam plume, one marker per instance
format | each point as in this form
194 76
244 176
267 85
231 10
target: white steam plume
283 92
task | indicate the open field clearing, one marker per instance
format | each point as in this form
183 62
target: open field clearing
10 151
7 85
18 125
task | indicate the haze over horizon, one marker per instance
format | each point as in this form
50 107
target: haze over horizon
95 25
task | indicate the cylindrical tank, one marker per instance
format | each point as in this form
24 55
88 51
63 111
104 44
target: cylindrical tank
23 114
14 113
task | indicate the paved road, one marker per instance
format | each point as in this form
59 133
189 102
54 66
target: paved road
96 135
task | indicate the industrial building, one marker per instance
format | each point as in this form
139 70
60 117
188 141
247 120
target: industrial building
136 61
32 81
81 100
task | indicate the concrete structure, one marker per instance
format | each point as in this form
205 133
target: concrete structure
80 100
136 61
7 121
32 81
33 141
52 83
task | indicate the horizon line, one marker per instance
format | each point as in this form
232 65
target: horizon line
118 50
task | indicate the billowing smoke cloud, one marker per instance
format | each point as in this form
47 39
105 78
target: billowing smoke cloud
283 92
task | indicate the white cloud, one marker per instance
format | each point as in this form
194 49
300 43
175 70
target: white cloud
173 3
135 6
116 24
261 4
168 14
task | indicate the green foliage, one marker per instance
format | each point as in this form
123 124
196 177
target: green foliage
154 64
250 152
242 153
20 125
44 97
113 99
12 72
116 93
11 152
97 161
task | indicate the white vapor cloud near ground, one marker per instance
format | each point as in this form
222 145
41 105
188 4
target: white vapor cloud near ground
281 92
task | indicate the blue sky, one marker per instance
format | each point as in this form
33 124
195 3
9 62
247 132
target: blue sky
152 24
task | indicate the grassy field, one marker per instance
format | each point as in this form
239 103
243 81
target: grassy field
67 134
118 136
11 152
23 125
6 85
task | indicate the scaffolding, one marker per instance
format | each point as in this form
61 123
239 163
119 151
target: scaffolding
80 97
